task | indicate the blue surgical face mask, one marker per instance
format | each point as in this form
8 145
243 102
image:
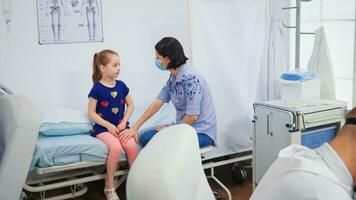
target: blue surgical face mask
158 64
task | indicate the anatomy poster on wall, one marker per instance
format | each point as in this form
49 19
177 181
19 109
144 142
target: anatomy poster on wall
69 21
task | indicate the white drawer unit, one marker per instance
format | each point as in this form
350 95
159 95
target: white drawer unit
278 124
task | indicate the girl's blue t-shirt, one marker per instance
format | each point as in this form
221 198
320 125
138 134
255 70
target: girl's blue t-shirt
110 104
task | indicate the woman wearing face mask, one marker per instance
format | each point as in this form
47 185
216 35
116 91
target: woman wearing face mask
188 91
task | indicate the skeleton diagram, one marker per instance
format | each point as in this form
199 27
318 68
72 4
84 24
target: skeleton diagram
56 9
91 9
74 3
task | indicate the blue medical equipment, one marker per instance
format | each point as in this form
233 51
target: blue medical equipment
299 75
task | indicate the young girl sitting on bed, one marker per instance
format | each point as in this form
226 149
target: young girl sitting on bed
106 108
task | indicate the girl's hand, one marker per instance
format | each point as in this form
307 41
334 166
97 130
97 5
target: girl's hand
126 134
112 129
122 126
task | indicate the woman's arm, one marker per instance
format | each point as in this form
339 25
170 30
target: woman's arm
97 119
187 119
149 112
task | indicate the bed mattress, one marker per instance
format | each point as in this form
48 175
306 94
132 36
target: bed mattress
61 150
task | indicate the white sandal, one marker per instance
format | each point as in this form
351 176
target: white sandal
111 194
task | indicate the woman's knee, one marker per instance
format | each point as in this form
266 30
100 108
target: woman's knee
143 140
147 136
204 140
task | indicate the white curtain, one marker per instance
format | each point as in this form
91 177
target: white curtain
237 46
276 52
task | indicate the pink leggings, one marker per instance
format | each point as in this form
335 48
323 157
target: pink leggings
115 147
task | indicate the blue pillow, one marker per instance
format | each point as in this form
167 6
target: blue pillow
64 128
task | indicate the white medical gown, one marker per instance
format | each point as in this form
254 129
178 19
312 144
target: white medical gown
300 173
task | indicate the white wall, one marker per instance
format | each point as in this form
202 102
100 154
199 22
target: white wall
231 41
60 75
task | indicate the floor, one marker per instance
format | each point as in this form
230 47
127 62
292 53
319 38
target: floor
224 174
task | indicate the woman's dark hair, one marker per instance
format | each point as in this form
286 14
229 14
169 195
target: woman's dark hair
170 47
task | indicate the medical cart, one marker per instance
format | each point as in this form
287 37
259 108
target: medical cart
278 124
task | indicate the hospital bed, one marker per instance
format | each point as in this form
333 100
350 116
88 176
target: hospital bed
32 162
69 161
46 163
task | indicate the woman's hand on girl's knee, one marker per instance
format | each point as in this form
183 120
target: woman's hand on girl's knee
126 134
